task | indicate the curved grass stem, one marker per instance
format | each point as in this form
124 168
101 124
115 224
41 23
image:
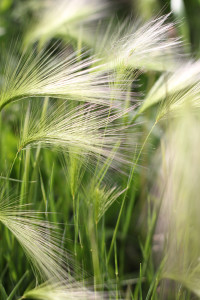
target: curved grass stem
125 194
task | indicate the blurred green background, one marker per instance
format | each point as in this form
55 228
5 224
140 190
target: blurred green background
15 15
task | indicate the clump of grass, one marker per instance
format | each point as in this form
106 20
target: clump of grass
97 148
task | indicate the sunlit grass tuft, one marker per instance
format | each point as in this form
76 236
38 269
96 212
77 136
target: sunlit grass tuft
133 45
40 239
63 291
88 130
59 74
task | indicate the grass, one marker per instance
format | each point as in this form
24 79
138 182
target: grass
99 161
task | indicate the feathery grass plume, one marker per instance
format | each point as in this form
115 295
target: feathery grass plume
74 165
130 45
99 196
175 103
171 84
103 197
63 291
63 16
40 239
87 129
179 214
60 75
